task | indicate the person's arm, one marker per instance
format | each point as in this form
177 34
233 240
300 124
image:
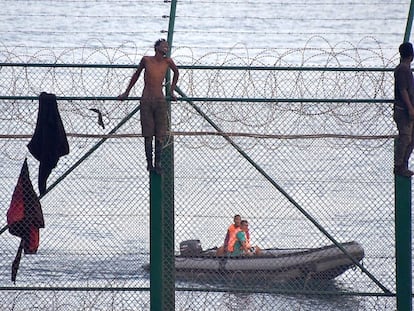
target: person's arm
226 240
133 80
246 248
406 98
402 79
175 77
241 236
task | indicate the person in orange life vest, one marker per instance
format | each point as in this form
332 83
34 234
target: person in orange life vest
242 245
230 237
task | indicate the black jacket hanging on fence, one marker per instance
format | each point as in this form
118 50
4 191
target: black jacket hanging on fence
49 140
25 217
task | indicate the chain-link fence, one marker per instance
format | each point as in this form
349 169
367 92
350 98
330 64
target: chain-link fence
305 155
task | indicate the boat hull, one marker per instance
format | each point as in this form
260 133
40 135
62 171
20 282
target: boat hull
279 265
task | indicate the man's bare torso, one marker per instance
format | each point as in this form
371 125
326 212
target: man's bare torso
155 71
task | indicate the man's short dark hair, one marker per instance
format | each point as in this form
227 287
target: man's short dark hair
406 50
158 42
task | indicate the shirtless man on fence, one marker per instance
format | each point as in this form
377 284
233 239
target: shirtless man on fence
153 110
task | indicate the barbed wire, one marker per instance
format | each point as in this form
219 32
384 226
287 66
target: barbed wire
301 108
298 127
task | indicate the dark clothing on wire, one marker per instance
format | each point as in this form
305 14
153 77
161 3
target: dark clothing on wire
49 141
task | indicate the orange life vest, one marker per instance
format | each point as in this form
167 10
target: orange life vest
232 237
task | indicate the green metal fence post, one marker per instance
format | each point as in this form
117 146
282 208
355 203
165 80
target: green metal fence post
403 242
403 255
168 239
409 22
156 247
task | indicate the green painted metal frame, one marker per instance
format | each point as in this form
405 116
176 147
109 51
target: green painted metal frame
403 243
162 260
156 249
403 227
162 278
403 237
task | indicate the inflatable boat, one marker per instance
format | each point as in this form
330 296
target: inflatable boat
280 265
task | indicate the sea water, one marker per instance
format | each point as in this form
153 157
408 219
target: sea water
213 32
118 31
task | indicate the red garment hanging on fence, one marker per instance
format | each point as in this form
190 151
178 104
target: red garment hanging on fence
25 217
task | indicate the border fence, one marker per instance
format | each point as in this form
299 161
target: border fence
293 150
305 154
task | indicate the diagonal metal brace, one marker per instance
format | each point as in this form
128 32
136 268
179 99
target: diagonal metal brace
281 190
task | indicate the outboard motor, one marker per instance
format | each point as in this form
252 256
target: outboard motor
190 248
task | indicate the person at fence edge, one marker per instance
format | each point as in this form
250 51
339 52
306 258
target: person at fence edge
404 110
242 245
153 110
